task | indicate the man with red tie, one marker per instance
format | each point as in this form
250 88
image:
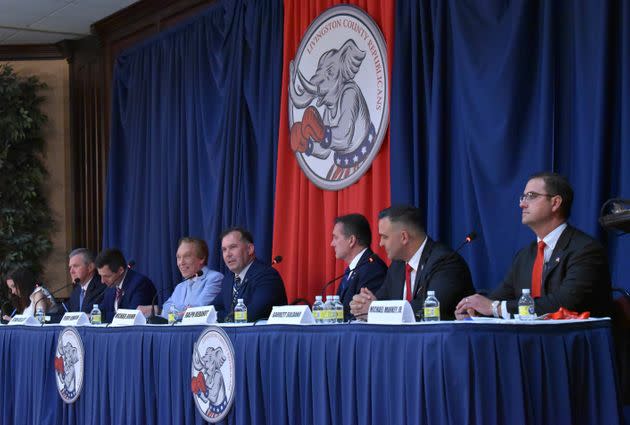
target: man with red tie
563 268
419 264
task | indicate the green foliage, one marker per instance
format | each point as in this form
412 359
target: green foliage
25 218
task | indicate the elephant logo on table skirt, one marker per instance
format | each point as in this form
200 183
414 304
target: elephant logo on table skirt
212 374
69 364
338 115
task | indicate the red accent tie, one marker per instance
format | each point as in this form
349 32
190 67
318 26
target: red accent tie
118 295
537 271
408 269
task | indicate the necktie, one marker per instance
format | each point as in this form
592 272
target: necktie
344 282
119 294
537 270
408 269
81 298
235 290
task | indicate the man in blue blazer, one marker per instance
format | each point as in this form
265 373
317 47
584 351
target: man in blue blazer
258 284
125 288
432 266
89 289
351 239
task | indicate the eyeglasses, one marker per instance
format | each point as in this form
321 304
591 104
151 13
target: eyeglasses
530 196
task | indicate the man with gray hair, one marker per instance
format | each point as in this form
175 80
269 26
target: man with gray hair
88 288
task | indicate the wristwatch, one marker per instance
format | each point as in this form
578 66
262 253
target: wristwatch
495 308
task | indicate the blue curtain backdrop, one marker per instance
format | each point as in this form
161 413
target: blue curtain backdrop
486 93
193 140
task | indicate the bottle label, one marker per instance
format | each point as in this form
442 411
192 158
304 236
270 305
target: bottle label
432 312
525 310
171 317
96 319
340 315
317 315
240 316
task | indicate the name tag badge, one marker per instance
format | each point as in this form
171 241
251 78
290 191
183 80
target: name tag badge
74 319
205 315
291 315
390 312
24 320
126 317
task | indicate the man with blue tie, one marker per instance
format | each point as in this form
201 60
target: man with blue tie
89 289
351 239
258 284
125 288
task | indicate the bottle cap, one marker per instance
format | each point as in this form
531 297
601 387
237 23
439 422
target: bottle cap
95 306
525 291
431 293
240 300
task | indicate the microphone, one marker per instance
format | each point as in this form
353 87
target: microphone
468 239
368 260
153 319
131 264
49 295
277 259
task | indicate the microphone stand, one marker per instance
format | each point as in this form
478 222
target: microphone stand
50 295
368 260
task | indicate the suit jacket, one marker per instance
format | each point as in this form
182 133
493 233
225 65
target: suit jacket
137 290
93 295
441 270
576 277
368 275
261 289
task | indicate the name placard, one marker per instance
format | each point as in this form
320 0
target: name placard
291 315
24 320
390 312
76 318
126 317
205 315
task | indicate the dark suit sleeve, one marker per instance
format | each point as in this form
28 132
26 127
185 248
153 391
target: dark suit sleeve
386 291
107 308
510 289
143 294
73 301
218 303
269 291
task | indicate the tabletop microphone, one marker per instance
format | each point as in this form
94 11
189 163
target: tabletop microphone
276 260
131 264
368 260
50 295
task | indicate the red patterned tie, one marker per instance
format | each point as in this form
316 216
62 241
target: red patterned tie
408 269
537 271
118 295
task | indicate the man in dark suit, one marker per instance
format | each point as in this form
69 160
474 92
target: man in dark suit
419 264
351 239
88 290
125 288
259 285
564 268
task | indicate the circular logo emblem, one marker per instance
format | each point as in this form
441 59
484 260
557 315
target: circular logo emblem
338 97
212 374
69 363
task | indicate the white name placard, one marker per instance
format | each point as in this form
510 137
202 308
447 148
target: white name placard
291 315
205 315
126 317
390 312
76 318
25 320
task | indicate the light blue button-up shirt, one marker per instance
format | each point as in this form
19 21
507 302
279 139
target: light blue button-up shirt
195 292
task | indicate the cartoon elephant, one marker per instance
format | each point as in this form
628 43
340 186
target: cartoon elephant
345 127
210 364
70 358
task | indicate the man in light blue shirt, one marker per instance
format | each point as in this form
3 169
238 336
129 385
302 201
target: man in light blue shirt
200 285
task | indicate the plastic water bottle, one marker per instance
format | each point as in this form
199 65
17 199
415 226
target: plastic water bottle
338 309
526 310
431 308
172 315
39 315
318 309
329 310
95 315
240 312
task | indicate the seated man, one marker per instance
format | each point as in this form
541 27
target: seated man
200 285
564 268
351 239
419 264
89 289
259 285
125 288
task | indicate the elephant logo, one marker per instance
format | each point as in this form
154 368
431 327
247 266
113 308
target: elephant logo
338 115
212 374
69 362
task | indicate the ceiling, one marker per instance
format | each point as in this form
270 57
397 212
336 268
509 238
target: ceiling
50 21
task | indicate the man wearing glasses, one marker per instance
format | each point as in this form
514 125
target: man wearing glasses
563 268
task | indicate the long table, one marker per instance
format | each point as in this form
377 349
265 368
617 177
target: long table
442 373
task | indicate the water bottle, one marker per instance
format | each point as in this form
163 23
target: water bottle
39 315
172 315
338 309
240 312
431 308
526 309
329 310
95 315
318 309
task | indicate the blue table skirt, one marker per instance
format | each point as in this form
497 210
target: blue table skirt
330 374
